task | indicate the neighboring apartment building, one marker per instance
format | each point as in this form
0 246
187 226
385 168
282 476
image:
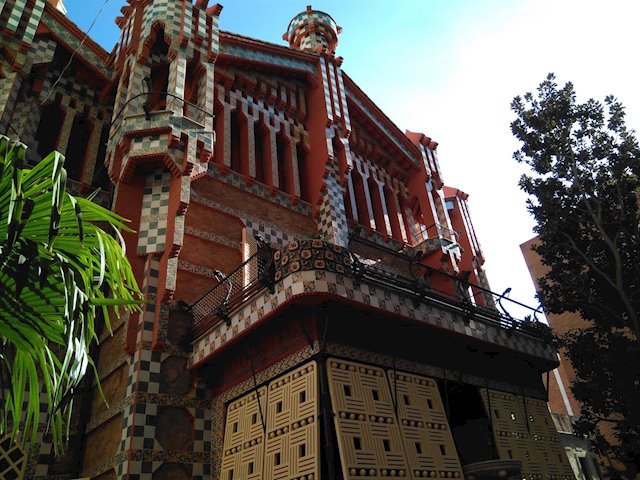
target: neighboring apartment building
317 302
564 407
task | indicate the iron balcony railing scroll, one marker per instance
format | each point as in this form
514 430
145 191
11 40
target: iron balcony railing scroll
232 290
419 285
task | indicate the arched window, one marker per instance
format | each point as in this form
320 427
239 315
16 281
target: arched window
259 150
376 204
194 75
392 213
100 174
48 132
159 73
218 127
361 201
77 146
284 171
236 158
303 172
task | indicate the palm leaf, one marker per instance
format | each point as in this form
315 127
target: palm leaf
57 269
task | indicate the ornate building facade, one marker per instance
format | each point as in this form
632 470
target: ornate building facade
317 306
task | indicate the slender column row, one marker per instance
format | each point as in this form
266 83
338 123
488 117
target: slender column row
375 203
252 146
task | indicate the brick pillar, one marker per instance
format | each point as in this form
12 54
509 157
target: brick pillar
383 205
295 168
352 197
364 173
271 166
92 152
251 147
177 77
65 131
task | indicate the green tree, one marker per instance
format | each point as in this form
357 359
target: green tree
58 269
584 185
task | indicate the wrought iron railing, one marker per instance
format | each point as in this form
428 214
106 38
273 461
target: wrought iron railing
232 290
428 285
421 283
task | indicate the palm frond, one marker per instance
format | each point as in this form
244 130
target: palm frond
58 268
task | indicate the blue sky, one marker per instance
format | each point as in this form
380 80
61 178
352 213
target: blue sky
449 69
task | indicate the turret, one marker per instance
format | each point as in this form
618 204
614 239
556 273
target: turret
313 31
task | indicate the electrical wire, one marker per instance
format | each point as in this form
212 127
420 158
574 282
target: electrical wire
86 35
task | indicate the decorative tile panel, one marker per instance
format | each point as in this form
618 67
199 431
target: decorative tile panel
428 442
153 220
369 438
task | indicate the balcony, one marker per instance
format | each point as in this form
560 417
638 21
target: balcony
393 284
436 237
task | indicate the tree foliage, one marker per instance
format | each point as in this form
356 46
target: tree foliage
584 188
58 269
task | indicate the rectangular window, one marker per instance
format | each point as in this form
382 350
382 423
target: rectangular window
387 445
279 407
303 397
347 390
418 448
374 394
356 443
302 450
276 458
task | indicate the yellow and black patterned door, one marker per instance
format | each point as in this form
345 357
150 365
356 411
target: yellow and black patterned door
545 439
523 430
243 448
423 422
369 439
292 447
509 427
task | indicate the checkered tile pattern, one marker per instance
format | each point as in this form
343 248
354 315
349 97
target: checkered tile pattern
317 281
83 50
332 222
34 20
153 220
269 233
42 50
327 89
16 14
9 87
177 77
269 58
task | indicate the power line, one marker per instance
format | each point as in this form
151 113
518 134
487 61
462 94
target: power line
86 35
